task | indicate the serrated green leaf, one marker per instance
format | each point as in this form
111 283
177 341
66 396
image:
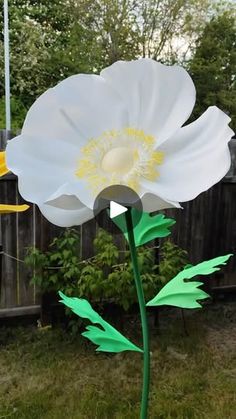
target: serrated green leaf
81 307
148 228
107 338
180 293
152 227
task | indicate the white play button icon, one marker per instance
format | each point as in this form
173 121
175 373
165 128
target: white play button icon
111 203
116 209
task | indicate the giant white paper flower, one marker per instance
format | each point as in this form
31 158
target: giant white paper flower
122 127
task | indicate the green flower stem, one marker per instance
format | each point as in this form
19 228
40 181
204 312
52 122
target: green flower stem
143 314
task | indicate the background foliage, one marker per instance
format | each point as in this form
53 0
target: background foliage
107 276
213 66
51 40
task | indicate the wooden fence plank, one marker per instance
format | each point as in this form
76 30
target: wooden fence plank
8 194
25 240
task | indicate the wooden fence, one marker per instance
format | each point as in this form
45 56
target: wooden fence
206 227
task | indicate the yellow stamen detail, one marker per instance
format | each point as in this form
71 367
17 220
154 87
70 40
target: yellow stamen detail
119 157
135 155
158 157
85 167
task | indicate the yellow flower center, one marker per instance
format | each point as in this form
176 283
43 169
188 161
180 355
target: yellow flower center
119 158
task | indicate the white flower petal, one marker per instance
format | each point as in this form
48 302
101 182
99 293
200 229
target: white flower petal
65 202
63 119
90 105
153 203
78 108
195 158
41 165
70 195
44 172
160 98
65 218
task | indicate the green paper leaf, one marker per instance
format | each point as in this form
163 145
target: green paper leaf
180 293
152 227
107 338
149 227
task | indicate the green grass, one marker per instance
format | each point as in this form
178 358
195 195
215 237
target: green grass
44 374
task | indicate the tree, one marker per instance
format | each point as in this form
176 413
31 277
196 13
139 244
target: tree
51 40
213 66
169 27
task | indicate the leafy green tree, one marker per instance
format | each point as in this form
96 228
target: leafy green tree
169 27
213 66
51 40
18 112
28 54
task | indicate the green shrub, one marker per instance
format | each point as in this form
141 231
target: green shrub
18 113
59 268
172 260
108 275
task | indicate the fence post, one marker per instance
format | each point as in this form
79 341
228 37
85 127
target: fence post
231 175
